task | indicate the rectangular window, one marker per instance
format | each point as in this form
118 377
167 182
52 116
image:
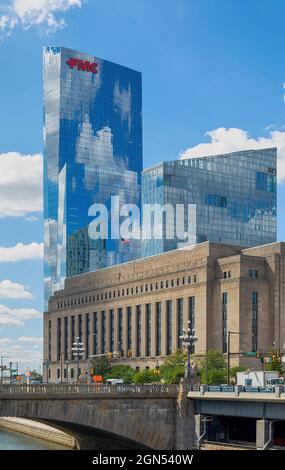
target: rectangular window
80 328
87 336
265 182
169 326
95 332
217 201
65 338
139 330
253 273
120 329
58 338
225 321
129 332
158 328
254 321
180 321
103 336
112 330
148 329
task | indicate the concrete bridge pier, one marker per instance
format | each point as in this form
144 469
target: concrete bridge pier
262 433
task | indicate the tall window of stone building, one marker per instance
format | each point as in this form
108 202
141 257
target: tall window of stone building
225 321
87 335
72 331
158 327
191 318
49 340
180 321
169 326
148 329
120 329
129 325
112 330
95 332
65 337
80 327
58 338
254 321
103 336
139 330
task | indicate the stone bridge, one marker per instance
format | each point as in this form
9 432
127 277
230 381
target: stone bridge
108 416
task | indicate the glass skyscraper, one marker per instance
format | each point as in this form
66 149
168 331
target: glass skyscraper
92 151
234 196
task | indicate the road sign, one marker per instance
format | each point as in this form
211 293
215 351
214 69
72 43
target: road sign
250 354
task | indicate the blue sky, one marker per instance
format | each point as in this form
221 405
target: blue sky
209 66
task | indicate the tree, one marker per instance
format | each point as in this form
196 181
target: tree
121 371
275 366
35 375
146 376
101 365
235 370
216 364
173 368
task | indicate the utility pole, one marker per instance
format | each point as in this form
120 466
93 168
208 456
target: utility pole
229 350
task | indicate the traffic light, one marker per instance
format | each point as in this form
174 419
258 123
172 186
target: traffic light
91 370
257 354
130 353
110 355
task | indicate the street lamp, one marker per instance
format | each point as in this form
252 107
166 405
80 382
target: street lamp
188 341
77 352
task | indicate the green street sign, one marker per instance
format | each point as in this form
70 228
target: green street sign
250 354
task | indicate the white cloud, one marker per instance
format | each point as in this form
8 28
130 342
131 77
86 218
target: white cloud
21 252
6 341
12 290
16 316
43 14
20 184
30 339
224 140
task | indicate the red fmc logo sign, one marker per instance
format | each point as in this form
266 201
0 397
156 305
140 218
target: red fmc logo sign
84 65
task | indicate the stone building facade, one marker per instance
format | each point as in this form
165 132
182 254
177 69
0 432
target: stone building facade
139 309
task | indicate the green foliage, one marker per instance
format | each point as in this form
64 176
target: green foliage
173 368
235 370
275 366
146 376
101 365
217 368
121 371
36 376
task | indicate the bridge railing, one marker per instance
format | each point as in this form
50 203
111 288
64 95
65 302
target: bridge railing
238 390
48 390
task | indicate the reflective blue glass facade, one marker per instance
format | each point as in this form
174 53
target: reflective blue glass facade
235 197
92 151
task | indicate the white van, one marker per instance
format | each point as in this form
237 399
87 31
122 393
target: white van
114 381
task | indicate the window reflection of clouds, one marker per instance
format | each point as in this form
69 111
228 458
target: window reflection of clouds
93 126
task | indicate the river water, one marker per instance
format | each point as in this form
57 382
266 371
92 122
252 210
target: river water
10 440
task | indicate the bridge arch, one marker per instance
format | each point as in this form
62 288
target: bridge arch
141 417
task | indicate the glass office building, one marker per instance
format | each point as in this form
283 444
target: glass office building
233 195
92 151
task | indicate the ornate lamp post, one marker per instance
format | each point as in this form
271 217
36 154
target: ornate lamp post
189 339
77 352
